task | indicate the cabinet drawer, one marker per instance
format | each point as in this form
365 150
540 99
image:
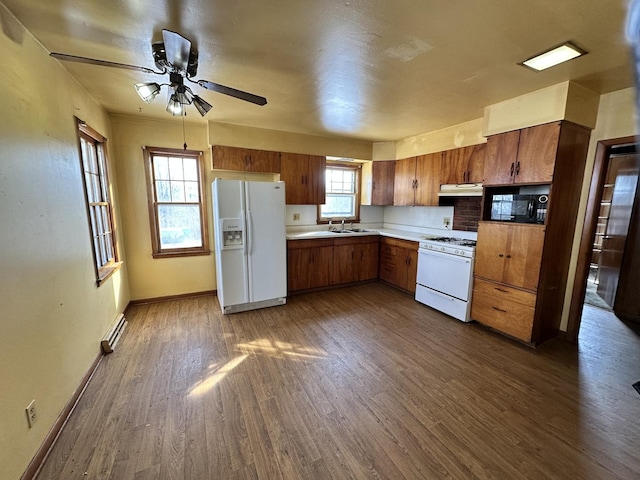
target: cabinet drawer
502 292
503 315
311 243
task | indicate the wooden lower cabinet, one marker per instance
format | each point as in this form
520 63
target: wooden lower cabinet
355 259
318 263
399 263
508 310
309 264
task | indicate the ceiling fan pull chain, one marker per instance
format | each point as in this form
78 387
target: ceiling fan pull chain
184 136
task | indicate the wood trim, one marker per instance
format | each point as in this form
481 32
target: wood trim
169 298
586 241
152 204
45 448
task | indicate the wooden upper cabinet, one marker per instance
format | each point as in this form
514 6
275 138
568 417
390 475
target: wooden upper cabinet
316 179
404 182
428 179
245 159
510 253
500 161
475 166
522 156
304 177
382 183
417 180
463 165
537 151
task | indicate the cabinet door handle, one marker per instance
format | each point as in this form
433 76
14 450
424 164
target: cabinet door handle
508 256
518 168
501 255
501 290
513 166
499 309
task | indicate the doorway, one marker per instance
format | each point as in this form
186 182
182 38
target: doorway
602 267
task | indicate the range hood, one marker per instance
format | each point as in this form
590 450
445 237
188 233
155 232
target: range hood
461 190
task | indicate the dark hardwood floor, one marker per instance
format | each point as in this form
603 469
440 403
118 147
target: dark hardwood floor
360 382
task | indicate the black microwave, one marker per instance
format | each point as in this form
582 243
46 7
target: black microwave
519 208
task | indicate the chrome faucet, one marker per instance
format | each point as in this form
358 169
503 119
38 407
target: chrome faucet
343 224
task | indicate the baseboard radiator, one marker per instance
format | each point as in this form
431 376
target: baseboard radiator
113 335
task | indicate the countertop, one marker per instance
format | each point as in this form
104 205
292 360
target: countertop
385 232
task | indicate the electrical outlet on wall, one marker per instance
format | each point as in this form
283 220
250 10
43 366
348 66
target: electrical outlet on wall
446 221
296 217
32 414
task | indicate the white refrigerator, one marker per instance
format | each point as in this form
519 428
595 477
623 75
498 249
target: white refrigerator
250 243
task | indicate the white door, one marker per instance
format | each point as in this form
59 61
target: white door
266 240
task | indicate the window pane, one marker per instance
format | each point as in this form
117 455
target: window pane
338 206
163 191
190 169
177 192
175 168
191 192
161 168
179 226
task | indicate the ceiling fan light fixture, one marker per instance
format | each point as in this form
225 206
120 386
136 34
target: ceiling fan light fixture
554 56
184 95
147 91
174 107
201 105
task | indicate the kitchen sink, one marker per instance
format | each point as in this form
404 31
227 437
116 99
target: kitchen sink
353 230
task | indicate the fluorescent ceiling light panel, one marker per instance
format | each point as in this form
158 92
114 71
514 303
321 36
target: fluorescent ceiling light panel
554 57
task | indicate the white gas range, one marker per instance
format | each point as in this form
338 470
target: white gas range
445 275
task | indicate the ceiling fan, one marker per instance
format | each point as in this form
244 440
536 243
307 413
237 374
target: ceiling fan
175 57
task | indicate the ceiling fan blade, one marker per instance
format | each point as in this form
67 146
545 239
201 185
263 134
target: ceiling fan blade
248 97
177 49
103 63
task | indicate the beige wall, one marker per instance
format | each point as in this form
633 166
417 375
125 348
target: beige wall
157 277
462 135
250 137
53 315
616 119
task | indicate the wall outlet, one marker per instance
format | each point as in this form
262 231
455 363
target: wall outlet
446 221
296 217
32 414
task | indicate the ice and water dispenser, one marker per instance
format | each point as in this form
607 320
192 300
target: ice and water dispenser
232 233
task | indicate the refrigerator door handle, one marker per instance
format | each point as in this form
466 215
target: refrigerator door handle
245 233
249 239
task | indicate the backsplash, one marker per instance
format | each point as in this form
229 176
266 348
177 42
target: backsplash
466 213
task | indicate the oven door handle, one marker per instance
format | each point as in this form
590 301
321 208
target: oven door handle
448 256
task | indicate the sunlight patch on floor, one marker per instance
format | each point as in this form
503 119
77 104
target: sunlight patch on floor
217 376
277 348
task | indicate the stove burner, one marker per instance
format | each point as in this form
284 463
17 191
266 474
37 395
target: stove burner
462 242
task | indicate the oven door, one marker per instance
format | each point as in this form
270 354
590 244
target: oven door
445 273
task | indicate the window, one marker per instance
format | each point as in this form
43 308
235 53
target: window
177 209
98 198
342 193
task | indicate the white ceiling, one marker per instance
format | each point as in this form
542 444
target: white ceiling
377 70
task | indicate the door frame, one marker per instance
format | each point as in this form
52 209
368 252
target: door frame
585 252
